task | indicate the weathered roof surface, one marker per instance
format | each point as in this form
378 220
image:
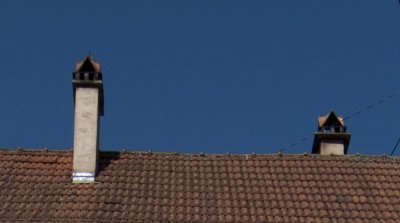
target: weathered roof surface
156 187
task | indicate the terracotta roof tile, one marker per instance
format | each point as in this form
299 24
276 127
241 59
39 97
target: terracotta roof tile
143 187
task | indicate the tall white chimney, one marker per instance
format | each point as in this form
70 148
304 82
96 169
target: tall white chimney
89 106
332 136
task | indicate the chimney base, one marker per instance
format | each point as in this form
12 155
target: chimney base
83 177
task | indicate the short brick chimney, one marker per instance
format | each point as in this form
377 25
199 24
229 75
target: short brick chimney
87 85
332 136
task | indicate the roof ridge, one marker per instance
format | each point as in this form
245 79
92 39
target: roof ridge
47 151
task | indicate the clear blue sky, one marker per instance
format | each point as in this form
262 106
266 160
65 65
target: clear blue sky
202 76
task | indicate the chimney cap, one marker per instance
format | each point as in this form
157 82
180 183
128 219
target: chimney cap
332 131
87 65
329 119
87 74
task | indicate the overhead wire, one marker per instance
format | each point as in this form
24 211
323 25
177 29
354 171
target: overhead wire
395 147
354 114
370 106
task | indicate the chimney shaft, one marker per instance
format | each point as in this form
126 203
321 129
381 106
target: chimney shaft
88 95
332 136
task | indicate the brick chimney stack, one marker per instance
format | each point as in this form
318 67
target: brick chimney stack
89 106
332 136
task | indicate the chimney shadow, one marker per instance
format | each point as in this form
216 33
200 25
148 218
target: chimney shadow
105 159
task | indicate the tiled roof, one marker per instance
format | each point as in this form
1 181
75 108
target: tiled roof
157 187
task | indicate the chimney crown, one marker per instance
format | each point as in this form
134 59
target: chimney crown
87 65
332 136
331 123
87 74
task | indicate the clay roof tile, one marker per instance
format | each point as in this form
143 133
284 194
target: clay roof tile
164 187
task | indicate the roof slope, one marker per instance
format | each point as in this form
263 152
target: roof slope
155 187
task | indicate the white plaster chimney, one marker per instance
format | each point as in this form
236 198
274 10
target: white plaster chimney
89 106
332 136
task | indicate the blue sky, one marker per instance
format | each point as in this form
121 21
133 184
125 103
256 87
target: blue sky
202 76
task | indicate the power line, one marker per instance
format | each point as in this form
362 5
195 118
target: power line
296 143
354 114
370 106
395 147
